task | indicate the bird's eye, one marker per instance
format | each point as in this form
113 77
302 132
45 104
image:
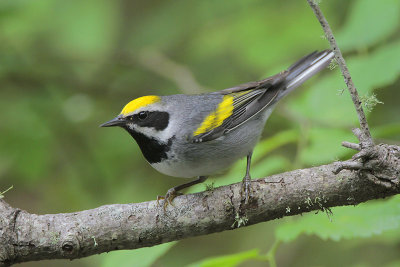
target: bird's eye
142 115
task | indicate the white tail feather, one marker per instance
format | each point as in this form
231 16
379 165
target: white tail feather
315 66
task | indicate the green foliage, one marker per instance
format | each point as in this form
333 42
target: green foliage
370 22
393 264
140 257
325 145
231 260
280 139
240 258
387 130
364 220
377 69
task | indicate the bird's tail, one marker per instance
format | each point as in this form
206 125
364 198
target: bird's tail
304 69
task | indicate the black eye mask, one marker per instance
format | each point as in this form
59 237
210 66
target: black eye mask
153 119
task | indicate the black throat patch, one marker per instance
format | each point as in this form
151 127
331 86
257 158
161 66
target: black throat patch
152 149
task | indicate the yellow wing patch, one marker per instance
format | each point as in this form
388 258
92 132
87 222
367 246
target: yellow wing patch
139 103
216 118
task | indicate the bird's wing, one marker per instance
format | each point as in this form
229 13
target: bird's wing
243 102
238 105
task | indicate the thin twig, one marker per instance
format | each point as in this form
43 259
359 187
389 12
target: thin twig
351 145
348 165
345 72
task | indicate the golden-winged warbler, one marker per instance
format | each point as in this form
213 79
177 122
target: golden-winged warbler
198 135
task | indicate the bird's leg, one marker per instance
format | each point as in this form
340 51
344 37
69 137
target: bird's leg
174 191
246 183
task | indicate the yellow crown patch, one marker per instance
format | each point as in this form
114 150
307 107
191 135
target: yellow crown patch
139 103
216 118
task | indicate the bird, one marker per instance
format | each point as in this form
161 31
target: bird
198 135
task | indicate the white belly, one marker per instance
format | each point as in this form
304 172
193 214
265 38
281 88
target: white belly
184 171
208 158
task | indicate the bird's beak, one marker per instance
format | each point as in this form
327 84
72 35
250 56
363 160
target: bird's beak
117 121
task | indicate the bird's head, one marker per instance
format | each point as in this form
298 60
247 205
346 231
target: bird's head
146 116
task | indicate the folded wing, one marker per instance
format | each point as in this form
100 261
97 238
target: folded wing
243 102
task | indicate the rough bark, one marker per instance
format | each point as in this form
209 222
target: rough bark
26 237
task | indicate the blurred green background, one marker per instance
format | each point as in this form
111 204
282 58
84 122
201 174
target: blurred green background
68 66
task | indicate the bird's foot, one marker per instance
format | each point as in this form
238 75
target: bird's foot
246 186
168 198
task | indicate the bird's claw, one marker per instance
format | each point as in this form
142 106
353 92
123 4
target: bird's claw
168 198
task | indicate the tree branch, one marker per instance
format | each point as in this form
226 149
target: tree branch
345 72
26 237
